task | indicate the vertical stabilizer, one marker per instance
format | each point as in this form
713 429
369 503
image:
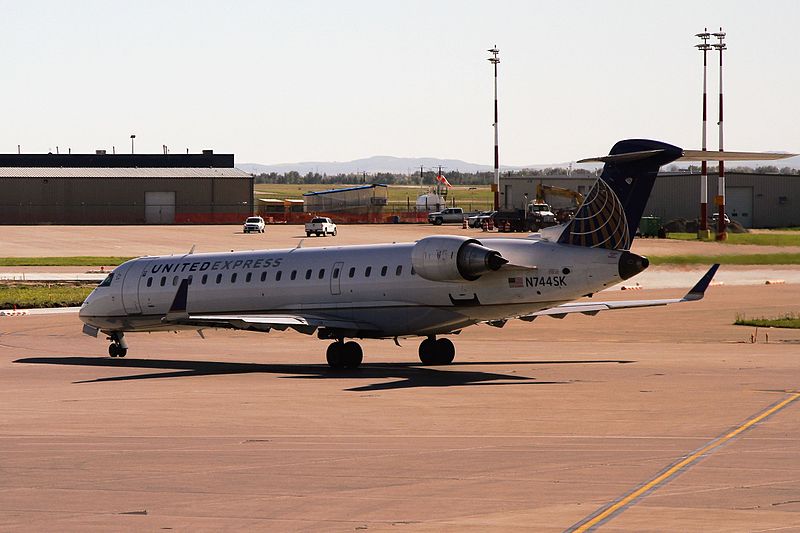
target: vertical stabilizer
610 213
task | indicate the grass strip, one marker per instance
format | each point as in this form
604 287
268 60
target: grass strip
727 259
27 296
790 320
81 260
758 239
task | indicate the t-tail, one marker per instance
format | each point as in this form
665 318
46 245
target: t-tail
611 211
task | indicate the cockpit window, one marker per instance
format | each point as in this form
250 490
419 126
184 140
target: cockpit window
107 282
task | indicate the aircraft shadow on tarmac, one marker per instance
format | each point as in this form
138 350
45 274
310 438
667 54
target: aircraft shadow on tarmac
408 375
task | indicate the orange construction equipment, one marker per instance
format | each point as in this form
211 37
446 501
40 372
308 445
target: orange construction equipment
489 221
464 224
484 226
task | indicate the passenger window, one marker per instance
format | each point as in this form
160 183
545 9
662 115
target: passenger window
384 270
399 270
219 278
367 272
248 277
149 282
352 272
335 273
233 277
413 272
163 280
264 276
308 274
278 275
204 279
322 273
294 275
190 279
175 281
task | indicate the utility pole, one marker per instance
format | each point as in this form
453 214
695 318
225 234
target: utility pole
704 47
721 226
494 60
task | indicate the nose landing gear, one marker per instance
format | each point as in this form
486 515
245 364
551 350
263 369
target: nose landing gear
118 346
344 355
433 351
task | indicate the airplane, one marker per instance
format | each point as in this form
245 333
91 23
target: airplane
430 288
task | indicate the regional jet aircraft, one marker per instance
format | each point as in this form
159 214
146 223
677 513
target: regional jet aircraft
430 288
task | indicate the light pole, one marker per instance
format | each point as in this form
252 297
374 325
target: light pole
704 47
132 138
496 185
721 226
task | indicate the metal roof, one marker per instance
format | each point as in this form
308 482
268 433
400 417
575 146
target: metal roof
371 186
88 172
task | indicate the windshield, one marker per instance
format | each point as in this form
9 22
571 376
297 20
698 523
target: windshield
107 282
254 220
319 221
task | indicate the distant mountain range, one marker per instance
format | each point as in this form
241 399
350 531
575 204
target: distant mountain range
380 163
410 165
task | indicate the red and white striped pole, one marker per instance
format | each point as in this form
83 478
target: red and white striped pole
496 185
721 226
704 47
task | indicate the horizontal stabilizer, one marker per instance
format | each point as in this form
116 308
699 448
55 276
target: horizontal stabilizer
714 155
592 308
690 155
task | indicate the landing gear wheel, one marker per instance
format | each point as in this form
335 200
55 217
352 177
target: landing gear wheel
436 351
343 355
115 350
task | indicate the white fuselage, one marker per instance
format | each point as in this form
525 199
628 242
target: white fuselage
373 284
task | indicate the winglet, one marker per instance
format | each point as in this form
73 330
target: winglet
177 310
699 290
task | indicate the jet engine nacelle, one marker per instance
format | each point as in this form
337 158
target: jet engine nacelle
453 258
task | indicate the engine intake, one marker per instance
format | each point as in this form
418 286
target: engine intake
452 258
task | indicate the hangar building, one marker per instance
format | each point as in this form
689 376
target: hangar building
753 200
123 189
360 200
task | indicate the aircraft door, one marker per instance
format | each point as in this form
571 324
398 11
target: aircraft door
130 287
336 278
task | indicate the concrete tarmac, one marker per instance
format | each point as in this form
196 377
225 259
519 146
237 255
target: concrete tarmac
663 419
535 427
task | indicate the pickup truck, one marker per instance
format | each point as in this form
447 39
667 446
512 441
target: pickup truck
320 226
451 215
534 218
253 224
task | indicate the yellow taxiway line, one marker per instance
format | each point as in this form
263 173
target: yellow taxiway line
607 512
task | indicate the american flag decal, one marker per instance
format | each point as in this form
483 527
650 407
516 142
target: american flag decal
515 283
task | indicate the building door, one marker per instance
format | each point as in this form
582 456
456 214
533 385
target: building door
336 278
507 196
739 206
159 207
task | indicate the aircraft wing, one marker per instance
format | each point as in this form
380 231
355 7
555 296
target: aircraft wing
592 308
301 322
264 322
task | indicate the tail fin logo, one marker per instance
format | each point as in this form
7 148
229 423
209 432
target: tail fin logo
600 222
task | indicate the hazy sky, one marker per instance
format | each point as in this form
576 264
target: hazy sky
283 81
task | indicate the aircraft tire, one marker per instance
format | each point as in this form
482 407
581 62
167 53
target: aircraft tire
352 355
112 350
334 355
437 352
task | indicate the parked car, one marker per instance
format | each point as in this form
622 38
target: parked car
320 226
715 218
254 224
450 215
476 221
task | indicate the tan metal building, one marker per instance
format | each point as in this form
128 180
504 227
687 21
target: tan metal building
87 189
753 200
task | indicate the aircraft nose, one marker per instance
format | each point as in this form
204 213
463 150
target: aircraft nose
631 264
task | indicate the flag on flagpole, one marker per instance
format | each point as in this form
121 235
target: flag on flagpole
441 179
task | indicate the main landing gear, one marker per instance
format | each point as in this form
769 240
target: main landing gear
344 354
433 351
118 346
